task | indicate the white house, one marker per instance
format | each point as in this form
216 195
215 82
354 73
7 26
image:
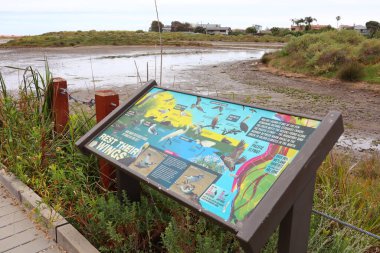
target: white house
258 28
216 29
361 29
167 28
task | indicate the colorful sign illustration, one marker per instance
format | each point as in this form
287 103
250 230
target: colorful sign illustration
222 156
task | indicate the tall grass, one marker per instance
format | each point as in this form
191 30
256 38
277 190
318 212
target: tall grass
343 54
118 38
69 181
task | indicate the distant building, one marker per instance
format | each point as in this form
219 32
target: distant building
267 31
166 28
258 28
216 29
346 27
319 27
359 28
297 28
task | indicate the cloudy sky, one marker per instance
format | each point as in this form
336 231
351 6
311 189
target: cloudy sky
24 17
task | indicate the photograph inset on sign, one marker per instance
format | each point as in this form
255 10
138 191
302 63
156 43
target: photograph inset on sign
147 161
193 182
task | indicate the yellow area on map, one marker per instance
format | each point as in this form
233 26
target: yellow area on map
163 111
218 137
292 152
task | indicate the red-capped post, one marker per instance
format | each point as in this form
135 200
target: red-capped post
105 102
60 104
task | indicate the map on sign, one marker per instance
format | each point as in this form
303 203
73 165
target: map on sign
221 156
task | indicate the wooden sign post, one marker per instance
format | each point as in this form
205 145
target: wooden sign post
105 102
249 168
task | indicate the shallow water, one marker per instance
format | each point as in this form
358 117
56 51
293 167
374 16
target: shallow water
359 143
116 67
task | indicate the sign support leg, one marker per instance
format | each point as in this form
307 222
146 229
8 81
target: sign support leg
130 185
294 228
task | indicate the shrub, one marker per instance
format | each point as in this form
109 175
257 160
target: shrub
346 37
329 58
369 52
352 72
266 58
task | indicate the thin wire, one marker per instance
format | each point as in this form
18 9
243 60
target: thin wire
138 73
90 103
346 224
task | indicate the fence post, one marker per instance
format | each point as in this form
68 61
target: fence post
105 102
60 104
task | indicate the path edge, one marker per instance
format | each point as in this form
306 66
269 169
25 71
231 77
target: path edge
64 234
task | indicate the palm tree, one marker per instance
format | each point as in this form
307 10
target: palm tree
338 18
308 21
299 21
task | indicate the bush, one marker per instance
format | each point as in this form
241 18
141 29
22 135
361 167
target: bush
369 52
265 59
352 72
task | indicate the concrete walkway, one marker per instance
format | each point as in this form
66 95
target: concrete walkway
18 234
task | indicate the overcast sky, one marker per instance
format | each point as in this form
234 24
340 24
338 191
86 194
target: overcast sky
24 17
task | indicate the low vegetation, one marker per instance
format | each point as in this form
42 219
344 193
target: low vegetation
118 38
69 181
344 54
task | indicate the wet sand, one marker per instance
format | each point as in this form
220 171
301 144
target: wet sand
250 81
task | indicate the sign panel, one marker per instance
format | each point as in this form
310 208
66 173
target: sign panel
223 157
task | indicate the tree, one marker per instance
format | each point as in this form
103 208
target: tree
275 31
251 30
338 18
200 29
373 27
308 21
155 28
181 27
298 21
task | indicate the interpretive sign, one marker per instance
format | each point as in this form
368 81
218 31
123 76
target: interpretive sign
217 156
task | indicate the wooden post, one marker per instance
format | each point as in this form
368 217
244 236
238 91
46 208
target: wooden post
131 186
105 102
295 226
60 104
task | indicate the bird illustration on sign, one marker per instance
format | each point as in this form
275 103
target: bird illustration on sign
230 161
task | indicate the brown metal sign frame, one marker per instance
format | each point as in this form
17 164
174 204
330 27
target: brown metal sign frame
288 202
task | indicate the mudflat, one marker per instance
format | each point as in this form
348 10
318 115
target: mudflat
358 102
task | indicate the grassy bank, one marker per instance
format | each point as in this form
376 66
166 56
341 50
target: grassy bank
69 181
118 38
340 54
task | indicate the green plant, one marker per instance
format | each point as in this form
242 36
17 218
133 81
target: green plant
352 71
266 58
90 38
369 52
69 181
330 54
3 87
